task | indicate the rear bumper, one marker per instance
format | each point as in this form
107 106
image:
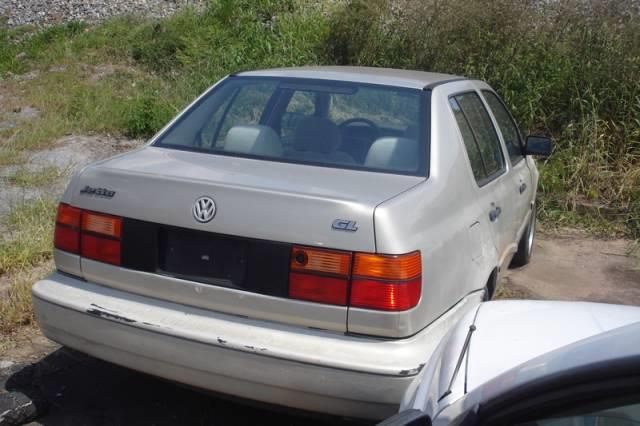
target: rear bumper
291 366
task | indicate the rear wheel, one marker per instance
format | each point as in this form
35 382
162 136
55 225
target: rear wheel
525 247
490 288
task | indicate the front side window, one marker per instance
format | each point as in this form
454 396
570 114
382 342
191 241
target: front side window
508 127
477 129
316 122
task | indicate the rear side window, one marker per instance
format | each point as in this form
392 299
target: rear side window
508 127
480 137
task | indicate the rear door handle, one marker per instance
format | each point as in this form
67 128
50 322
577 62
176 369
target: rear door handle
495 213
523 187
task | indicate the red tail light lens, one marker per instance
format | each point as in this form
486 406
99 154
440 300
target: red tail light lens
101 249
101 237
385 296
67 232
319 289
92 235
363 280
319 275
386 282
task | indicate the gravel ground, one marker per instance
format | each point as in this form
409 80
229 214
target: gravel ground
49 12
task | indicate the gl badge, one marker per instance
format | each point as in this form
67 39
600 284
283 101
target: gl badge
344 225
204 209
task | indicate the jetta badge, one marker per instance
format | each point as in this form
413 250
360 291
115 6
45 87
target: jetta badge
344 225
204 209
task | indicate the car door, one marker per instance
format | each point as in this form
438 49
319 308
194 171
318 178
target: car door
487 162
519 181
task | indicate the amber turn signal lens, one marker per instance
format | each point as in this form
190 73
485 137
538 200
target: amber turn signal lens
102 224
388 267
304 259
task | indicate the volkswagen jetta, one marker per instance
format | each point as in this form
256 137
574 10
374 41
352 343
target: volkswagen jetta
296 236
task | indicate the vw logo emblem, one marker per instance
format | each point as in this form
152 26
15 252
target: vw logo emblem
204 209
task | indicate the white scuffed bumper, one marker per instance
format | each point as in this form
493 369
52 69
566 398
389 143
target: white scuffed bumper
269 362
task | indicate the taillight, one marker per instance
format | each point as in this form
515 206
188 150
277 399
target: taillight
92 235
67 233
386 282
100 238
319 275
362 280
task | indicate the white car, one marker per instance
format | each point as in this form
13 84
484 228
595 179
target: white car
532 363
296 236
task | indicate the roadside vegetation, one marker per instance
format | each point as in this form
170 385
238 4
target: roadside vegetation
27 245
25 177
569 69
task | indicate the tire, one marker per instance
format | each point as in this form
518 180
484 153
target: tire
525 246
490 288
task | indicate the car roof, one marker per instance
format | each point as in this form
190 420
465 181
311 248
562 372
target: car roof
370 75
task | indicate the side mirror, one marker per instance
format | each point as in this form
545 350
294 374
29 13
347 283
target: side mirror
538 145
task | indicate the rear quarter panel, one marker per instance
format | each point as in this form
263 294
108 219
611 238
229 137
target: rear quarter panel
442 218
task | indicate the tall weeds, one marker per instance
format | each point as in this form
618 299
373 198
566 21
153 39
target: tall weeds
566 68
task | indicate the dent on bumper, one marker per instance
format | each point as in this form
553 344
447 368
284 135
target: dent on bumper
280 364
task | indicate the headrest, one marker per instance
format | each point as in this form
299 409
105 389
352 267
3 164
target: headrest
393 153
253 139
317 134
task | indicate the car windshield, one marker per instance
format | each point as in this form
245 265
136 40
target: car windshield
316 122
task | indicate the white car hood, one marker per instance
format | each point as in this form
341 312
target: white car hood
502 335
509 333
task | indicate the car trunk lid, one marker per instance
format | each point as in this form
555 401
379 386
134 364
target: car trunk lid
263 208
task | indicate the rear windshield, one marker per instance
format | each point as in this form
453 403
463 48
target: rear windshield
316 122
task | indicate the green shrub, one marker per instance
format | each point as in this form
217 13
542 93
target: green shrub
146 114
569 69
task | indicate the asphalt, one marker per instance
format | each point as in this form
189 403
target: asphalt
69 388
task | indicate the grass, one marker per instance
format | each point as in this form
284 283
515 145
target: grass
16 309
27 178
29 241
10 157
27 246
567 69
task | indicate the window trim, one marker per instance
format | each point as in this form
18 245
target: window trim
513 121
490 178
425 112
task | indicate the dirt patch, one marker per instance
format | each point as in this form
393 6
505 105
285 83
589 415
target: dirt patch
25 346
577 267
